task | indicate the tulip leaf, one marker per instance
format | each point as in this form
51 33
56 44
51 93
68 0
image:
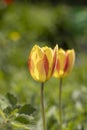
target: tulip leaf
27 109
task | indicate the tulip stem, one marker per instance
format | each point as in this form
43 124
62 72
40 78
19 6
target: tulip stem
60 103
42 106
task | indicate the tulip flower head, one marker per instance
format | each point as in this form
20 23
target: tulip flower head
8 2
65 62
41 62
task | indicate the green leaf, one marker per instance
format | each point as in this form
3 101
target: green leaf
12 99
22 119
27 109
8 110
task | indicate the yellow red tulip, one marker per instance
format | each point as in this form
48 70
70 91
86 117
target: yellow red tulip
41 62
65 62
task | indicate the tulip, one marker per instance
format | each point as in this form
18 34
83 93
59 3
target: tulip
65 62
64 65
8 2
41 64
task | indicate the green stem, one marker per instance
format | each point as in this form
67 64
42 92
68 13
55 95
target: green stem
60 103
42 106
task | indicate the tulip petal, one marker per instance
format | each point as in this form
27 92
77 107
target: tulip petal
55 56
71 58
58 66
36 53
40 71
31 64
66 62
49 54
46 65
57 69
61 58
32 68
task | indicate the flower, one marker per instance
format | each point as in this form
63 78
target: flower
41 62
14 36
65 62
8 2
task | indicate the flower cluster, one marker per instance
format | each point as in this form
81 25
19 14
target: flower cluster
45 62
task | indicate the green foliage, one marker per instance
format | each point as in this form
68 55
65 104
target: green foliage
23 119
16 115
12 99
26 109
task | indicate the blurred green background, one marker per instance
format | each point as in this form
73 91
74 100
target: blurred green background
25 23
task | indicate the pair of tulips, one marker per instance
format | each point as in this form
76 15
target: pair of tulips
43 63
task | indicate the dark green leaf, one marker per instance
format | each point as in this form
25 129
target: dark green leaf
27 109
12 99
23 119
8 110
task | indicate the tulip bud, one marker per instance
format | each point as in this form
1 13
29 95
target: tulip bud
65 62
41 62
